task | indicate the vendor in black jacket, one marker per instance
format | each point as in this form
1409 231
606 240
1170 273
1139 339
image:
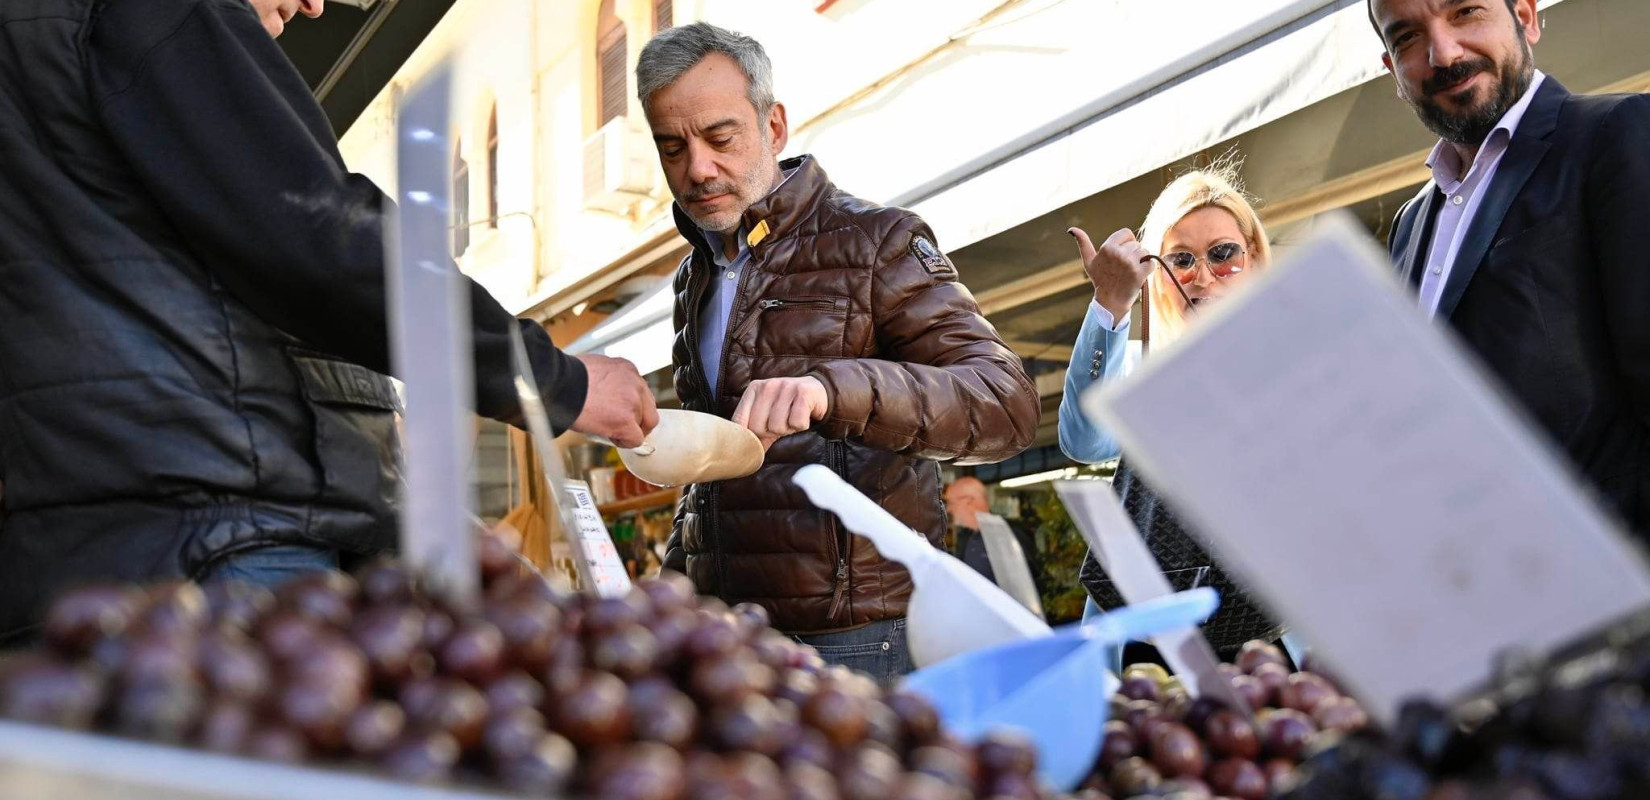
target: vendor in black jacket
192 310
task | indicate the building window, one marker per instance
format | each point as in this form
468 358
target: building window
492 168
663 15
461 201
610 63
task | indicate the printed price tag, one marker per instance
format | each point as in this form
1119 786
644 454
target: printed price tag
605 568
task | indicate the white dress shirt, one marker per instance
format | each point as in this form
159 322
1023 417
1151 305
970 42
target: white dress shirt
1463 189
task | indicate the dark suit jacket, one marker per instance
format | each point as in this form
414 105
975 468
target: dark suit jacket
1551 287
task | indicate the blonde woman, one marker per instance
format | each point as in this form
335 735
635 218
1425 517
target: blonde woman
1201 240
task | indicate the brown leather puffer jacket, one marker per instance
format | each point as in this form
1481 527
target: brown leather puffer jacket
858 296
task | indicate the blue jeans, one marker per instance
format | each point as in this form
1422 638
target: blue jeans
271 566
877 649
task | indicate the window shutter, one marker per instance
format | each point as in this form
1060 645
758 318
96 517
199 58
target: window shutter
663 15
613 81
461 205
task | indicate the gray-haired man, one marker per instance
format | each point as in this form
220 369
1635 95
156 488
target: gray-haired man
833 328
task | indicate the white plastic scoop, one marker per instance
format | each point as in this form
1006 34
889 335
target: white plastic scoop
692 447
953 609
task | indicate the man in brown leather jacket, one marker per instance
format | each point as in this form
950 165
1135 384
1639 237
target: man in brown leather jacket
833 328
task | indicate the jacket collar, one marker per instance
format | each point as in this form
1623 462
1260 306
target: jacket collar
776 215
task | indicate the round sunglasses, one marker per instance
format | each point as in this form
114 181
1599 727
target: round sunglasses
1223 260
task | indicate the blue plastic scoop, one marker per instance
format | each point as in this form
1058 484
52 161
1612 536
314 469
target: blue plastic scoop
1058 688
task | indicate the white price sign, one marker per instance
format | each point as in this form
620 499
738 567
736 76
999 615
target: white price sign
605 568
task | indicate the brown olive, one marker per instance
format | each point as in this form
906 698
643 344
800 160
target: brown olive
595 713
1304 692
566 666
951 766
1231 735
1274 677
496 558
806 781
1177 753
327 597
1133 776
868 772
438 625
1340 714
714 636
84 616
727 679
318 712
1198 713
1277 771
608 614
1138 688
474 652
335 663
424 757
238 606
1286 733
1256 652
797 686
152 658
373 728
752 617
1240 778
1006 752
838 715
286 635
919 721
1012 785
748 724
809 746
668 590
643 771
1251 690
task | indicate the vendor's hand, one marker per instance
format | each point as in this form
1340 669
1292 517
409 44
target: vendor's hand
1117 270
780 407
617 403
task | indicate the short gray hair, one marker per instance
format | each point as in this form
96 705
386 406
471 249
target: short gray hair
676 50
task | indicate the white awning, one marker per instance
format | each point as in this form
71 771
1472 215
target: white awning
640 331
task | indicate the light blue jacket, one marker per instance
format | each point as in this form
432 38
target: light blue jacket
1100 354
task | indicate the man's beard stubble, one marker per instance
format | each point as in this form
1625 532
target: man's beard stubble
754 188
1470 127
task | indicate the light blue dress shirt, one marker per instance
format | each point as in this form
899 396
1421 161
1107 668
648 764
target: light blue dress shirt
1101 354
724 286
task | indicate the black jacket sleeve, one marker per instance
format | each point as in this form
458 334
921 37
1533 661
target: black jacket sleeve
220 126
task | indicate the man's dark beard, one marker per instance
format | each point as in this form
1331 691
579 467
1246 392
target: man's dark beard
1469 128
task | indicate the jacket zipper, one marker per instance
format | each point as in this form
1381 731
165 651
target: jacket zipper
696 292
839 592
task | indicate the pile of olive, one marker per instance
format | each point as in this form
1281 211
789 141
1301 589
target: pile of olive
655 695
1162 743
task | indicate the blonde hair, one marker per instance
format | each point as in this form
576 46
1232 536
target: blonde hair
1216 186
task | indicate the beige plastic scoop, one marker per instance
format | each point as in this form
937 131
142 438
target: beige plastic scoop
693 447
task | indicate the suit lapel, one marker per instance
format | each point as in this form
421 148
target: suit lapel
1529 146
1412 259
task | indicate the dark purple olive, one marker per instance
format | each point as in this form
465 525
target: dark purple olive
1138 688
1340 714
385 583
1133 776
629 652
233 667
286 635
670 629
1251 690
82 617
238 606
608 614
514 690
714 636
530 626
809 746
162 710
374 728
1013 786
804 781
438 625
277 743
1198 713
1287 732
40 689
750 724
919 721
512 734
752 617
392 640
666 716
596 713
726 680
566 667
868 772
798 687
326 597
1274 677
496 558
226 727
1119 743
1304 692
669 590
425 757
1177 753
334 663
474 652
452 707
544 770
175 609
952 766
153 658
754 776
318 712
